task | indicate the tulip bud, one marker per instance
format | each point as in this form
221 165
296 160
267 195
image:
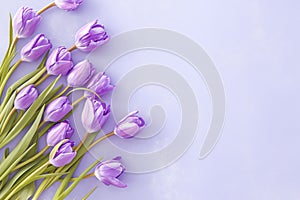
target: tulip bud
25 22
62 154
90 36
26 97
100 83
59 62
94 115
80 74
68 5
109 171
59 132
57 109
35 48
129 126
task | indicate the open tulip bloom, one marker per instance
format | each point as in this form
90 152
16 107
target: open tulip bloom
36 112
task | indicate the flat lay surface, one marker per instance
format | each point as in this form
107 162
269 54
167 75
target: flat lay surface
254 46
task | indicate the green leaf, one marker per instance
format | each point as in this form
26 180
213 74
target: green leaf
75 183
11 32
22 145
15 162
51 175
25 193
28 114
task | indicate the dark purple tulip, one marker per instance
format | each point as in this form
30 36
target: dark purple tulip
80 74
26 97
62 154
59 62
59 132
57 109
109 171
90 36
68 5
94 115
100 83
35 48
25 22
129 126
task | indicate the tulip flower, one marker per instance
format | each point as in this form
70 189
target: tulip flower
109 171
57 109
25 22
90 36
129 126
80 74
94 115
59 62
26 97
62 154
100 83
35 48
68 5
59 132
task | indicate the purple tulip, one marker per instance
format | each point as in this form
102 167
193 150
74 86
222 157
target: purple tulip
109 171
90 36
59 132
94 115
35 48
59 62
62 154
26 97
129 126
100 83
25 22
68 5
57 109
81 74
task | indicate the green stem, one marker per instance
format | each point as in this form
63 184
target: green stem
7 120
62 92
78 101
41 124
13 44
31 159
100 139
42 80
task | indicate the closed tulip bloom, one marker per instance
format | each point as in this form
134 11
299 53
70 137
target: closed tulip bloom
68 5
35 48
129 126
59 132
90 36
26 97
81 74
100 83
94 115
62 154
109 171
59 62
57 109
25 22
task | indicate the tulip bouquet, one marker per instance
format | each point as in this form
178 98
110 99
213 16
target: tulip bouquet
42 113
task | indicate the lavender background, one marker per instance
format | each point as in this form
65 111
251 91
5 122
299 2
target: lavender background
255 46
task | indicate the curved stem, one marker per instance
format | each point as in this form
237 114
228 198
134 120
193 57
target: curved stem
100 139
7 119
12 69
72 48
78 101
13 44
19 116
32 158
46 8
42 80
26 181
